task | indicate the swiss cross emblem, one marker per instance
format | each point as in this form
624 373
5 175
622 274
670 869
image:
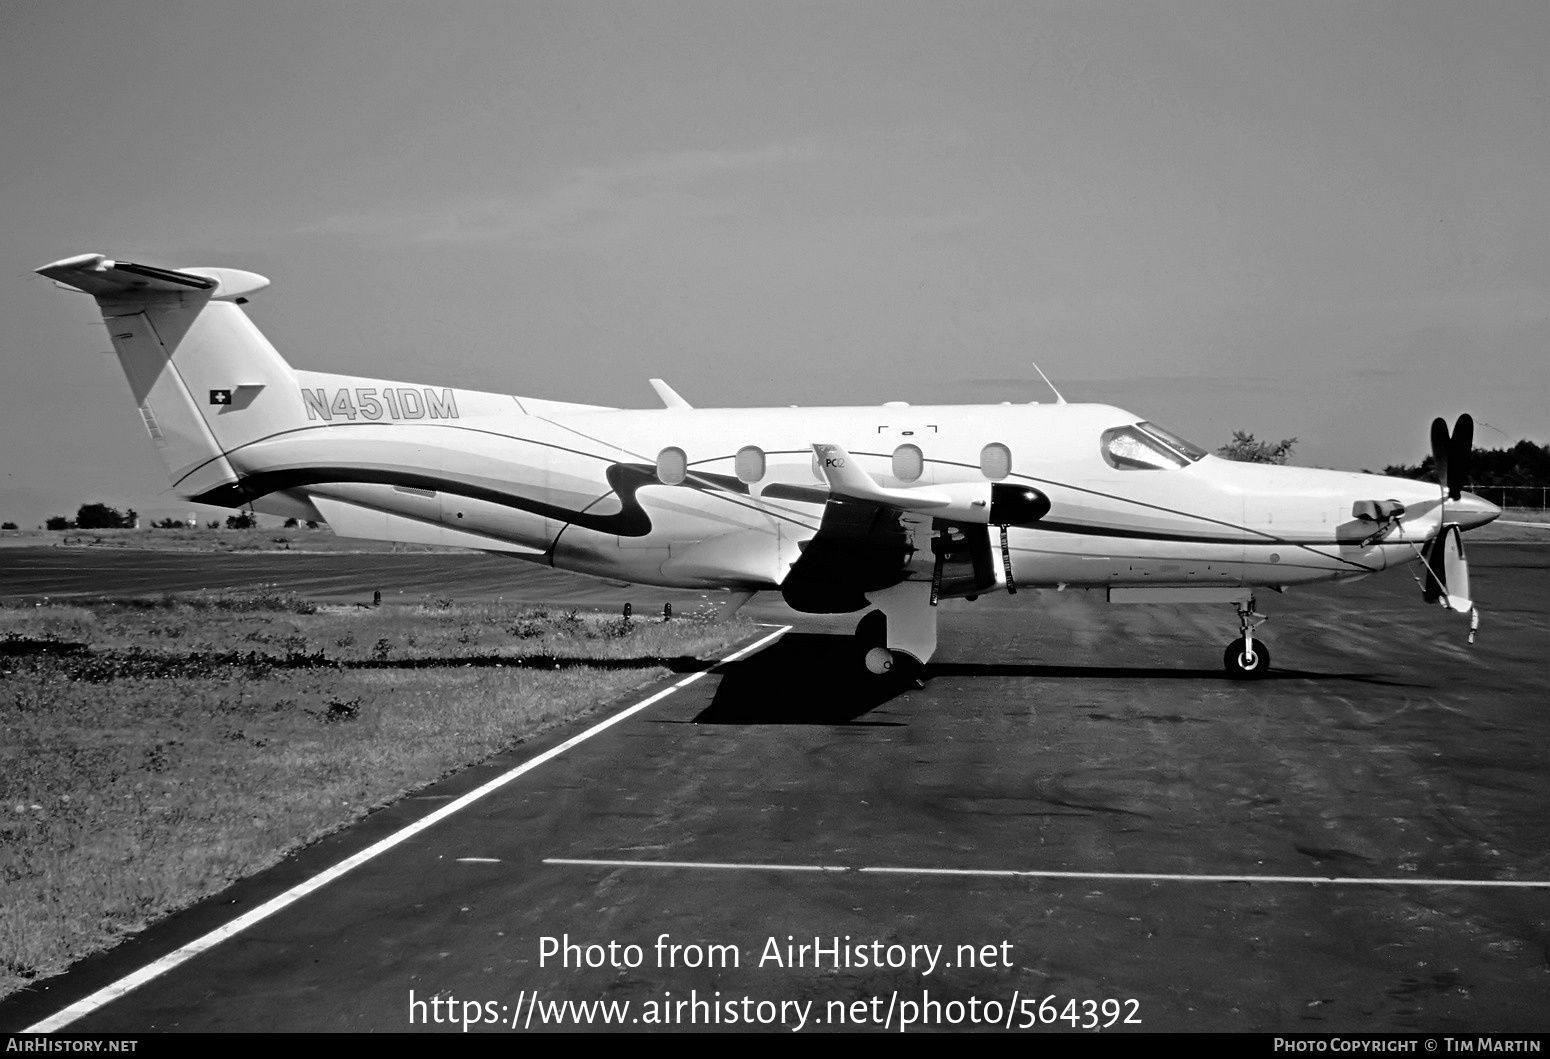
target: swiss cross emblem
220 397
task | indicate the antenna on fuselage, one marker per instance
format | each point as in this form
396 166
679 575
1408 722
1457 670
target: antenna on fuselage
1058 399
668 395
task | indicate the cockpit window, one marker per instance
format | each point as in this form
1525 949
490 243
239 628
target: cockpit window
1188 449
1147 447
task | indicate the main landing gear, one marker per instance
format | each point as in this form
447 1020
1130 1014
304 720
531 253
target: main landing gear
890 660
1247 658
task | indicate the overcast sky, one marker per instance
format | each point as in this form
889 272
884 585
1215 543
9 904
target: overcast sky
1327 220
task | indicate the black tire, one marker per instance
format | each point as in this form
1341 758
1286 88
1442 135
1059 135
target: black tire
1232 660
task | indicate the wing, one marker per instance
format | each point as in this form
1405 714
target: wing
874 537
860 547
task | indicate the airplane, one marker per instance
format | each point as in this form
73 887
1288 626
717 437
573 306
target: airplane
880 511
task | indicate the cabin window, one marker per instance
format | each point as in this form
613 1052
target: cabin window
1144 447
749 463
908 463
995 461
672 465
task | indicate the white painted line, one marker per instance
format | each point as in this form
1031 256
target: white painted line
1019 873
478 860
713 865
108 993
1530 525
1307 880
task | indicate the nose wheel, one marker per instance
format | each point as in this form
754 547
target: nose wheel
1247 657
1243 662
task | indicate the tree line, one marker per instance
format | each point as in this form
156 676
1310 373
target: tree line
1524 464
101 516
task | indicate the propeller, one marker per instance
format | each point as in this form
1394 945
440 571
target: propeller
1450 454
1447 570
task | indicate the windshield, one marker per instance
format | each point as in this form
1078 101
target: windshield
1147 447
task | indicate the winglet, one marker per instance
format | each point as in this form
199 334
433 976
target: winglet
669 396
998 503
847 478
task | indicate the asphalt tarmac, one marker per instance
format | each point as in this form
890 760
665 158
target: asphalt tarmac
1078 821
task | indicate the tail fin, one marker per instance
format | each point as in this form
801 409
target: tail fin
204 378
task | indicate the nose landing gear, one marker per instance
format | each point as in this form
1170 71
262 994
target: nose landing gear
1247 658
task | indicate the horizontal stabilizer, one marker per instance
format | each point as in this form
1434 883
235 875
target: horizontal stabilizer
110 280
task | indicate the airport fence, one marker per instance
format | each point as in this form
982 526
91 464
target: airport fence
1522 497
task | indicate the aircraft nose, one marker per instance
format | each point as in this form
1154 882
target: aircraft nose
1470 511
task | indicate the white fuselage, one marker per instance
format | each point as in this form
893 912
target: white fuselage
533 478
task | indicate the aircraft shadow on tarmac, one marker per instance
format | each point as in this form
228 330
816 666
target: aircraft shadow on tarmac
805 678
818 679
1068 672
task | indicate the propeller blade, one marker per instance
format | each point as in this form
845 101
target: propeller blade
1440 451
1459 448
1455 572
1446 574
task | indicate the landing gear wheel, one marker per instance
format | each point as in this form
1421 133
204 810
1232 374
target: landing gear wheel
896 667
879 660
1240 667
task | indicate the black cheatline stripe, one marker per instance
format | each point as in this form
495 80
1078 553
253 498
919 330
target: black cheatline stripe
1079 529
1259 536
624 480
632 521
582 519
712 490
385 422
1284 565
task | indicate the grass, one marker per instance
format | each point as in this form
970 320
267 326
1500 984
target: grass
204 539
156 750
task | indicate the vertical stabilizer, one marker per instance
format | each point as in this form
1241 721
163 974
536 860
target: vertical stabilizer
206 382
